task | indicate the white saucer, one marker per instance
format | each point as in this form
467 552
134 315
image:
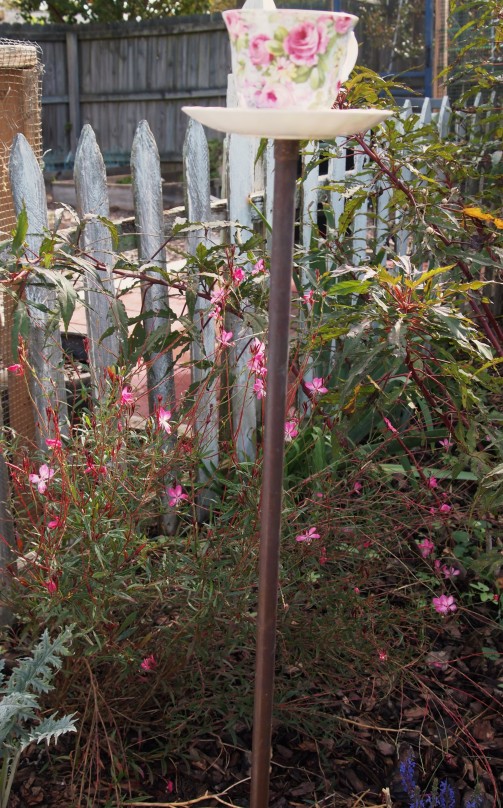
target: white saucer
288 124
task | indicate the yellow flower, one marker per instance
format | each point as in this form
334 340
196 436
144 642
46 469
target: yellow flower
498 223
477 213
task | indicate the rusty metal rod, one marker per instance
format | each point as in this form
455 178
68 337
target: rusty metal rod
285 176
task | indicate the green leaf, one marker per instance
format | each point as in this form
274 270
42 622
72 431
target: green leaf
19 234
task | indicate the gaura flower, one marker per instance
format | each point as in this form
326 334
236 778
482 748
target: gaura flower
308 536
445 508
258 267
425 547
127 398
163 418
259 388
149 663
390 426
53 443
54 523
176 496
316 387
383 656
291 430
357 488
432 482
445 444
45 473
444 604
308 298
51 585
225 338
238 275
16 369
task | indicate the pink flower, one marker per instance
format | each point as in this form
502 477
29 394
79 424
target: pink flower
450 572
383 656
218 297
259 388
390 426
446 444
176 496
256 363
357 488
51 585
169 786
445 508
291 430
53 443
258 267
127 398
356 590
343 24
54 523
225 338
16 369
316 387
444 604
238 275
163 418
425 547
308 536
42 478
235 24
259 52
432 482
308 298
149 663
305 42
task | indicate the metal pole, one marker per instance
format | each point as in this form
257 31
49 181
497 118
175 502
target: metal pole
285 176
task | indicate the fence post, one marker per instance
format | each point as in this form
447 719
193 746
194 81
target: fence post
96 241
45 356
73 81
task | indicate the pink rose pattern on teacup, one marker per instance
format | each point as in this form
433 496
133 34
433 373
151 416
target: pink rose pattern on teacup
306 42
280 67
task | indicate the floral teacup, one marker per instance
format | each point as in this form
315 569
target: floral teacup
290 59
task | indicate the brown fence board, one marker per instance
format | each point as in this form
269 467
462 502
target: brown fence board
124 72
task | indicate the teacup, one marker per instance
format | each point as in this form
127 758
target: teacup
290 59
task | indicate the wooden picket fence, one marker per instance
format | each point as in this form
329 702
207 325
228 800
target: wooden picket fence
249 187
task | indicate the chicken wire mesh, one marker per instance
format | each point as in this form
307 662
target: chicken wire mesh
20 112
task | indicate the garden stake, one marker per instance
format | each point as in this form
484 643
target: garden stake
285 177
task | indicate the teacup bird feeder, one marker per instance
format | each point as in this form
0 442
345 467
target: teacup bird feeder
288 66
